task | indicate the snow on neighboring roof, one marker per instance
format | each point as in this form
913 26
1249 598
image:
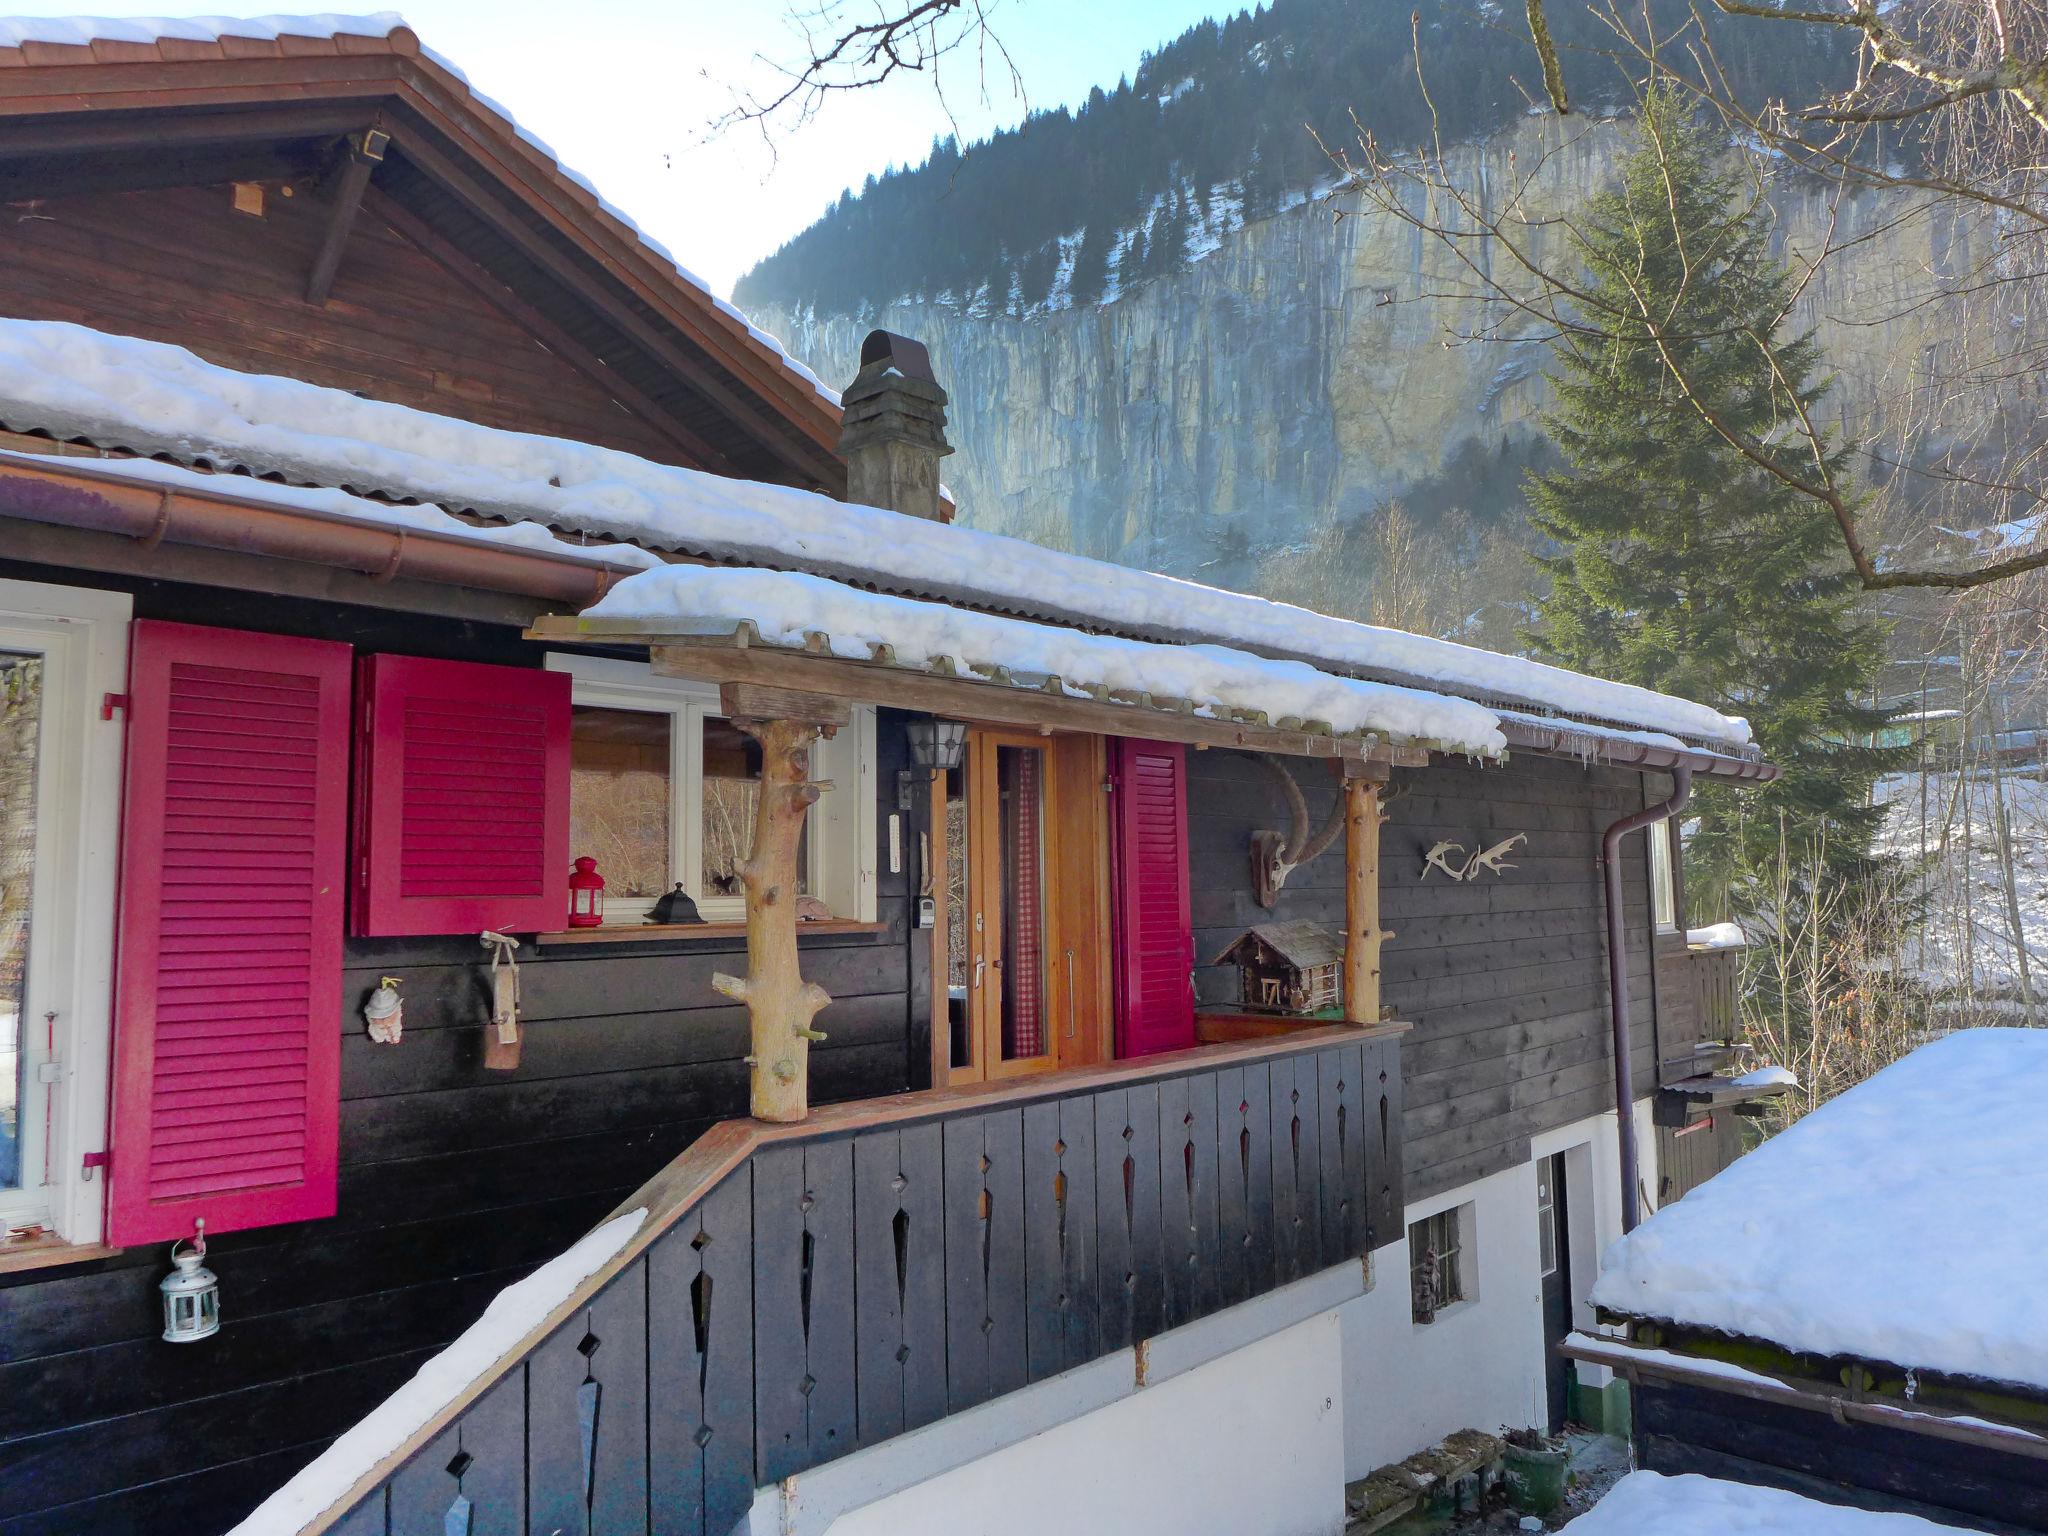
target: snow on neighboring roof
514 1313
153 398
785 607
1691 1505
1716 936
82 31
1899 1223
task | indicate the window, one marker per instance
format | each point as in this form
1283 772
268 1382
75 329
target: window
662 791
62 650
1663 886
1436 1262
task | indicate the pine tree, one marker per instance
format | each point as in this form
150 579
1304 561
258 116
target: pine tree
1677 563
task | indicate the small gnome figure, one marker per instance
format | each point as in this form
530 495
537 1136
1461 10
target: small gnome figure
385 1012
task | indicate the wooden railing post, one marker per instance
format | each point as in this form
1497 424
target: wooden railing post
1363 935
780 1003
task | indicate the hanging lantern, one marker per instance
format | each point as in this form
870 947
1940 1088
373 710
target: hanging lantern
586 895
936 746
191 1294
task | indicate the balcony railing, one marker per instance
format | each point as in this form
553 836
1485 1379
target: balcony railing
799 1292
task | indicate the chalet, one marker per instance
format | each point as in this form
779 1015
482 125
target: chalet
387 525
1854 1312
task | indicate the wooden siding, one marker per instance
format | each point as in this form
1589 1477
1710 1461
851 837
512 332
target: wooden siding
180 265
1690 1429
453 1181
1504 977
1687 1158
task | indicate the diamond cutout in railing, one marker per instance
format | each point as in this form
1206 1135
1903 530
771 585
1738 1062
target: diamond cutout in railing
588 1345
703 1436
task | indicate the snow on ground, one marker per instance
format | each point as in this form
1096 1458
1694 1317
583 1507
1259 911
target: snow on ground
786 606
1692 1505
1899 1222
155 398
1965 945
512 1315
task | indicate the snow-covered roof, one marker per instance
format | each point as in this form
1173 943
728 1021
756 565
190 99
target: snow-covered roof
1899 1223
105 39
156 399
1691 1505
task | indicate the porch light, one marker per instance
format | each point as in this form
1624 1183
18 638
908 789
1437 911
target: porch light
586 894
936 746
191 1294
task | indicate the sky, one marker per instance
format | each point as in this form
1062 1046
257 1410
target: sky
623 90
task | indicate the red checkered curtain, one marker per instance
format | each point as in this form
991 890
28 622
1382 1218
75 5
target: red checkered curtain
1020 775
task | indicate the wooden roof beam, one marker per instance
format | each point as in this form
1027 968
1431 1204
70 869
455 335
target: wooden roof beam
365 154
806 457
701 453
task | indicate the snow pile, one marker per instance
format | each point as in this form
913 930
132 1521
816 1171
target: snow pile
1769 1077
81 30
1692 1505
1716 936
1964 947
1899 1223
154 398
512 1315
786 607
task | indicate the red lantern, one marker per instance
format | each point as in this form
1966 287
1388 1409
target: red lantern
586 895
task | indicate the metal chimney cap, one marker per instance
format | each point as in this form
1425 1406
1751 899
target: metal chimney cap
905 354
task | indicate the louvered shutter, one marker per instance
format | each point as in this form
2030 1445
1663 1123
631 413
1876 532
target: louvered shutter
462 790
227 1035
1154 936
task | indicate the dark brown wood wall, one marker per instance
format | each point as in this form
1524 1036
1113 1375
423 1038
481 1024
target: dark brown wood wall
1504 977
454 1181
180 265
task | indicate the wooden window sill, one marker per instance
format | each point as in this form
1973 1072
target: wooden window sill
41 1252
642 933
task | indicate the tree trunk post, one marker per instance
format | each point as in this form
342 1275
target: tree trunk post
1363 935
780 1003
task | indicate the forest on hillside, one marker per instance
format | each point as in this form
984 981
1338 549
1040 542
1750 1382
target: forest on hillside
1217 127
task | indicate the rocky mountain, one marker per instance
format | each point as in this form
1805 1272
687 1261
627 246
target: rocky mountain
1303 372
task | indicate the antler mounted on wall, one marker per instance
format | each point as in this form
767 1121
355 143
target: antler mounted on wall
1275 856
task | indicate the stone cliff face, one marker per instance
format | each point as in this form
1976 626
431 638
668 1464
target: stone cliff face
1307 369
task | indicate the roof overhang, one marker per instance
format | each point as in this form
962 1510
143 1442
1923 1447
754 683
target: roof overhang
130 115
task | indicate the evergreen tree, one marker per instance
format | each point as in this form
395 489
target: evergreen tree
1678 564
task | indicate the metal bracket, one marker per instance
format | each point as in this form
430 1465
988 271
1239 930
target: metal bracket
109 702
96 1160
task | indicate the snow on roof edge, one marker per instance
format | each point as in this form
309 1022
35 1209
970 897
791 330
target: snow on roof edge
151 397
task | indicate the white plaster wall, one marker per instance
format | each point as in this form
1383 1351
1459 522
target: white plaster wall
1480 1364
1251 1444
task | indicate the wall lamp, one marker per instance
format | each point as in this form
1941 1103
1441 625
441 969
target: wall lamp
936 746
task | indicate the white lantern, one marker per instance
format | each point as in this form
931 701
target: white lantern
191 1295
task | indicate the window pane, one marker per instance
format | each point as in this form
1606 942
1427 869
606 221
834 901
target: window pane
21 699
958 998
1020 773
1662 895
732 790
619 798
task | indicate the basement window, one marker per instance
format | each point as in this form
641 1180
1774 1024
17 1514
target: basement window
1436 1262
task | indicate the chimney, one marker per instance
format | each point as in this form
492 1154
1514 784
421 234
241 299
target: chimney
892 430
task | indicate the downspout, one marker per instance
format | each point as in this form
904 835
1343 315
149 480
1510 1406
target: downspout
1617 979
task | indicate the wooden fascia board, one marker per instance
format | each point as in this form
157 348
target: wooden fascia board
493 291
628 260
100 88
778 435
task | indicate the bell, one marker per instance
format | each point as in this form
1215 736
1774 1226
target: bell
675 907
191 1295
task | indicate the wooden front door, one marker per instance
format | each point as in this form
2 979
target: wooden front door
1025 931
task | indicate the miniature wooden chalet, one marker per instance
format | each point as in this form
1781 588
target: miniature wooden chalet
1850 1312
391 525
1287 967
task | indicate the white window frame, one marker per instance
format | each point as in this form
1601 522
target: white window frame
1663 879
1464 1217
841 844
82 636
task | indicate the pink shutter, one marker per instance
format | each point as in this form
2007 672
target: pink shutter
227 1036
1155 937
462 792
